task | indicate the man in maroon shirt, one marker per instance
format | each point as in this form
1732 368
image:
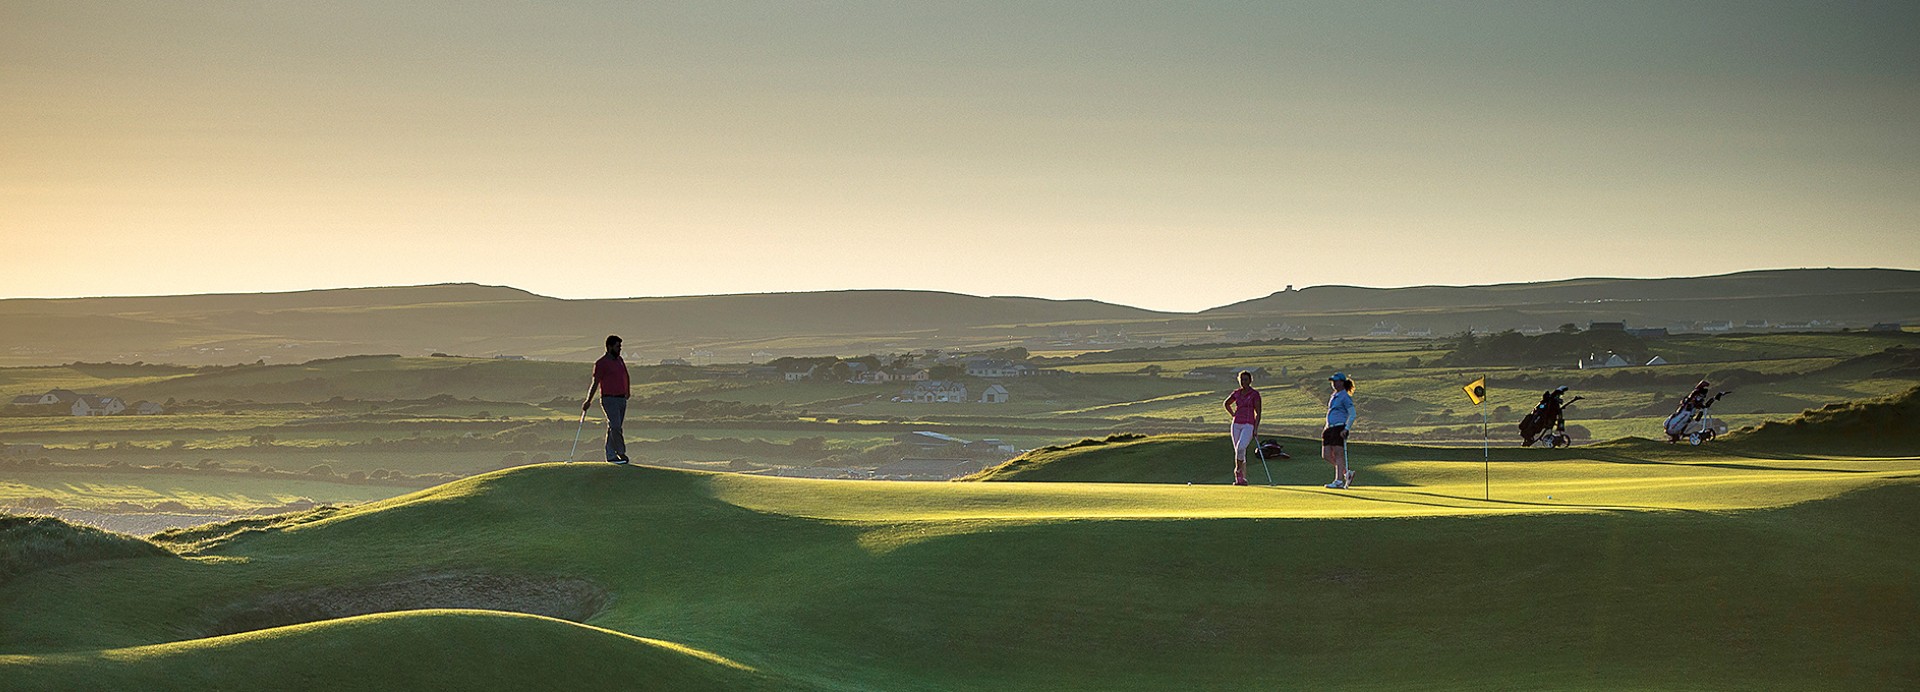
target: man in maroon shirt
610 379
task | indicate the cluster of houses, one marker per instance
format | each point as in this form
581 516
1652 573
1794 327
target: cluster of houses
89 404
921 387
1613 360
1704 326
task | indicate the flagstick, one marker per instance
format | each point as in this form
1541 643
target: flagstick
1486 445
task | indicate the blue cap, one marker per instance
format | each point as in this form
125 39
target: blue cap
1339 377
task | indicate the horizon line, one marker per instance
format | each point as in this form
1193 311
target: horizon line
334 289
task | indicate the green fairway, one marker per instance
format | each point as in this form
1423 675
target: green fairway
1626 565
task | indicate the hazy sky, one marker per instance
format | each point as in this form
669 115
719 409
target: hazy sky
1170 155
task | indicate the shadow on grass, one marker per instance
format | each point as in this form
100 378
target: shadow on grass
1725 465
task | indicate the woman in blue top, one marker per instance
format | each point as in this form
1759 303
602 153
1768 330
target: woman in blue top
1333 440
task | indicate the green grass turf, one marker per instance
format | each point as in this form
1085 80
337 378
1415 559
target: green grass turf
1650 567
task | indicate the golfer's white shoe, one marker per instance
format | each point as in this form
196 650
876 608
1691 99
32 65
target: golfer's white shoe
1337 485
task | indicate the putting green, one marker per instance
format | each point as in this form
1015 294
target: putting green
1649 568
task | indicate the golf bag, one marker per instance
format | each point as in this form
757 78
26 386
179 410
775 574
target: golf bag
1692 422
1269 450
1547 422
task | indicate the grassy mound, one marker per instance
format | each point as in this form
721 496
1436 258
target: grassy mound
1616 570
35 543
1187 458
416 650
1207 458
1887 423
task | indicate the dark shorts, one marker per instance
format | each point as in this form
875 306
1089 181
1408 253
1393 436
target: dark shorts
1335 436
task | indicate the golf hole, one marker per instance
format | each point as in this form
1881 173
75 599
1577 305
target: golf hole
565 598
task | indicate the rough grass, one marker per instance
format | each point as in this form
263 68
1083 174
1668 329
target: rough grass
1875 424
30 543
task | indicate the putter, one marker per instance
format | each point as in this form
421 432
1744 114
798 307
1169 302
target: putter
576 437
1263 464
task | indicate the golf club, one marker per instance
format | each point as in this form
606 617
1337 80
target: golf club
576 437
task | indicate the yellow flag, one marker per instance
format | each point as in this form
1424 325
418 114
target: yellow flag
1477 391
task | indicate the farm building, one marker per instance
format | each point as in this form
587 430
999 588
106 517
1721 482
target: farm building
994 394
986 367
53 396
1607 360
929 439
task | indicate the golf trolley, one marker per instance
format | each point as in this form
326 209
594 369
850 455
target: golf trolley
1694 424
1543 424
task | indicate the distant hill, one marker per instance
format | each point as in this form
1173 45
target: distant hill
469 319
1835 296
489 320
1779 283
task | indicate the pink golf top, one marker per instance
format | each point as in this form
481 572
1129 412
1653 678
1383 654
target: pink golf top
1246 405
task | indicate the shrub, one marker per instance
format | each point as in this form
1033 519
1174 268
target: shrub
320 470
34 543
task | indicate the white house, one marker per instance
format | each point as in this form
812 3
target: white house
148 408
935 392
1657 360
1609 360
994 394
88 405
794 375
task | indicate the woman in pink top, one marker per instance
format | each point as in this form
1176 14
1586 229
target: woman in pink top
1244 405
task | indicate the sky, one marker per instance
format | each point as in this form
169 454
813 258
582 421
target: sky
1175 155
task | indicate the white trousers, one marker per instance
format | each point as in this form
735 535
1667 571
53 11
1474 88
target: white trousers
1242 439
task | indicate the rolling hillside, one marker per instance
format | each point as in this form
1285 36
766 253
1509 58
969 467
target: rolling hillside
1599 569
487 320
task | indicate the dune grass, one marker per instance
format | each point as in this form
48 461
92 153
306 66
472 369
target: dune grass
28 544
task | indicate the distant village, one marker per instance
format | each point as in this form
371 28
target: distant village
79 404
921 387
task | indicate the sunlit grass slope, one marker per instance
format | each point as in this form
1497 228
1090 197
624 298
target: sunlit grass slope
424 649
1666 569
